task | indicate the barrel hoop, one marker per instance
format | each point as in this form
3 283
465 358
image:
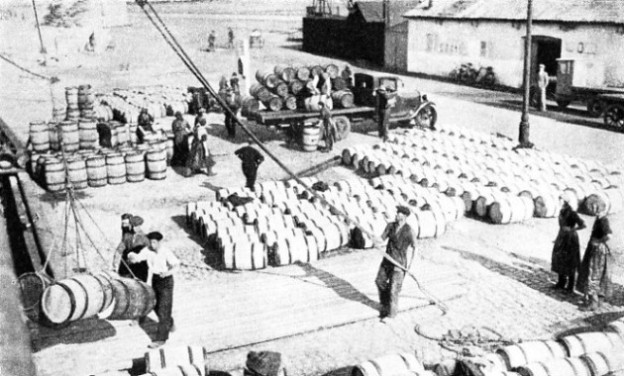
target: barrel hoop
122 314
163 362
103 294
190 352
86 297
72 300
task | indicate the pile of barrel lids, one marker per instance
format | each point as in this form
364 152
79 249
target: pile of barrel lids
95 136
299 88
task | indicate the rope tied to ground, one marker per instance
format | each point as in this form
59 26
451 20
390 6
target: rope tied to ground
52 79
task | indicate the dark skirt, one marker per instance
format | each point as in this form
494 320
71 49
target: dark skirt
594 272
199 157
566 254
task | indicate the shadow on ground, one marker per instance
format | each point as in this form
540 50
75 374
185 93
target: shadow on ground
81 331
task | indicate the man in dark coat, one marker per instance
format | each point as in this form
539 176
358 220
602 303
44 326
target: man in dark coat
329 128
211 40
144 125
566 255
251 159
132 241
233 101
181 130
383 112
400 248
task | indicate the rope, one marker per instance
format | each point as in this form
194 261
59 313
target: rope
177 48
51 79
457 340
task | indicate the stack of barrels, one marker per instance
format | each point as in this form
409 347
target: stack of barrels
289 88
84 295
176 360
497 183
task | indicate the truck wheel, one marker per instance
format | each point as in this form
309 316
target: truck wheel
614 116
563 104
595 107
343 127
427 117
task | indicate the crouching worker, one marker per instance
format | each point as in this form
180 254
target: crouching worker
162 264
264 363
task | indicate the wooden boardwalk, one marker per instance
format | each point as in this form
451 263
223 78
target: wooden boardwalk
242 309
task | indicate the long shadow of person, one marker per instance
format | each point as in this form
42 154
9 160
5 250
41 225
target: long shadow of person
343 288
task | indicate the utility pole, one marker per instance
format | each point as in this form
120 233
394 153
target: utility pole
43 50
523 138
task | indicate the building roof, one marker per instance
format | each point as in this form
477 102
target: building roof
577 11
372 11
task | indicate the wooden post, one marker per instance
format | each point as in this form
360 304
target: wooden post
43 50
523 137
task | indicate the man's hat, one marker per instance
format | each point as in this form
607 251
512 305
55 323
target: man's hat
155 235
136 220
264 363
403 210
126 216
202 110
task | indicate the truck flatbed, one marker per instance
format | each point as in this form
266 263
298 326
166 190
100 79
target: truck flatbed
290 116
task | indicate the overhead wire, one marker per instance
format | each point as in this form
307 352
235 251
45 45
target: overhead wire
181 53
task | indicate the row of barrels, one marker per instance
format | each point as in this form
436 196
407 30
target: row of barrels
80 103
72 135
98 170
290 74
83 296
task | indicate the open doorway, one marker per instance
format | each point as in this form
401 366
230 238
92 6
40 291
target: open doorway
545 50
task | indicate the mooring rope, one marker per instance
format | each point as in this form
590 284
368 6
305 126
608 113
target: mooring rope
51 79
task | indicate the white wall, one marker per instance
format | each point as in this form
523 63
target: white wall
437 47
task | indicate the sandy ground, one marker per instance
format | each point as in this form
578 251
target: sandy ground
508 264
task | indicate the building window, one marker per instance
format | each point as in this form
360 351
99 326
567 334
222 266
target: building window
431 42
484 49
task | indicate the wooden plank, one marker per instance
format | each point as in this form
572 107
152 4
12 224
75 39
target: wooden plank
263 117
30 239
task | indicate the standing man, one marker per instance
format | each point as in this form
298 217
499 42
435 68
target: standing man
234 83
383 112
211 40
329 129
233 101
230 38
181 130
132 240
542 84
162 265
401 243
251 159
566 254
144 125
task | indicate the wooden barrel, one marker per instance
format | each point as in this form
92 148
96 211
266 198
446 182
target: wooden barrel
303 74
611 199
172 356
508 208
296 86
39 137
53 136
85 96
250 106
88 137
312 103
71 97
169 150
290 102
603 363
347 155
96 171
115 169
332 70
273 103
284 72
259 92
394 364
339 83
32 286
73 299
122 133
72 114
181 370
59 112
316 70
133 299
530 352
546 204
268 79
77 172
583 343
70 136
107 290
556 367
280 89
54 175
617 326
343 99
156 164
311 137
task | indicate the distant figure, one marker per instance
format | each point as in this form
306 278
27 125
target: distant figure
144 125
542 84
401 243
223 83
234 83
594 274
233 101
383 112
181 130
211 40
90 46
326 86
566 254
312 85
199 157
251 159
329 128
132 240
201 115
347 75
230 38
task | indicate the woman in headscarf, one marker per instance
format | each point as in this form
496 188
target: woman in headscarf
199 157
594 278
144 125
201 115
181 130
566 254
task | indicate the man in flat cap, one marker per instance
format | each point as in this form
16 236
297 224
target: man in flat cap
162 264
264 363
401 243
383 111
251 159
132 240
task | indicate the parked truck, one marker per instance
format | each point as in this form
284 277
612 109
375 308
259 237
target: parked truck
411 108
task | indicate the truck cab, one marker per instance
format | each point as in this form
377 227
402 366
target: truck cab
410 108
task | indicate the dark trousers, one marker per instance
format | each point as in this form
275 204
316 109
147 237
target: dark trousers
230 125
250 172
389 282
163 287
569 278
382 123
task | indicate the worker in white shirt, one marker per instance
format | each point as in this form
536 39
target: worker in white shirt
162 263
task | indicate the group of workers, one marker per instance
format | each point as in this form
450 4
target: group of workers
212 38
